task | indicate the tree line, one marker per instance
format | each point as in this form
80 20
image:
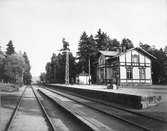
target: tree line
88 49
14 67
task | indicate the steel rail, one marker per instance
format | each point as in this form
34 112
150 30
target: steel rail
125 120
44 111
83 120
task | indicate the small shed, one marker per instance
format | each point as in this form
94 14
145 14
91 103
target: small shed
83 78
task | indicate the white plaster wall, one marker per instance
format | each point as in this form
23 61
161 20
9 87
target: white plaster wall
134 52
122 58
128 56
141 58
122 72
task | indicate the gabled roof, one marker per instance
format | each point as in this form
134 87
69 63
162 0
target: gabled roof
117 54
145 52
109 53
139 50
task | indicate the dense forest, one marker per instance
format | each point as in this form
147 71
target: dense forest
88 47
14 67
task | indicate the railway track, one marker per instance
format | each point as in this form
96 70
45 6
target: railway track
64 121
14 112
115 106
11 125
49 124
136 119
106 122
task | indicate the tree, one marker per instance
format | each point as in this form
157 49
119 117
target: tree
14 68
113 45
48 69
127 43
2 62
27 74
53 68
10 48
165 50
87 51
145 46
102 40
43 77
159 65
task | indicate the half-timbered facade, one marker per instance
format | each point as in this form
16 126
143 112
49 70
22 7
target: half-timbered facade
132 67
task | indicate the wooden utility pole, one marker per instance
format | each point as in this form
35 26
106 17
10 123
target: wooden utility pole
89 70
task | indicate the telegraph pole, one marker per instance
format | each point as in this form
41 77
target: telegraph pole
66 50
67 68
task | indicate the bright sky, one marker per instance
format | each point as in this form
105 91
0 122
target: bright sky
38 26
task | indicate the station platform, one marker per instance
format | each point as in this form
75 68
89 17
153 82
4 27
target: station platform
131 91
137 98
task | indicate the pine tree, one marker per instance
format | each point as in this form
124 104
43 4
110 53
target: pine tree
27 74
2 62
10 48
159 65
102 40
48 69
87 51
53 68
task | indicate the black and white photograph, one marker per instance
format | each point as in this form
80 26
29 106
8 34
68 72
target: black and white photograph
83 65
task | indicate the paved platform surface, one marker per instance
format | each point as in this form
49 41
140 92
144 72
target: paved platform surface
149 91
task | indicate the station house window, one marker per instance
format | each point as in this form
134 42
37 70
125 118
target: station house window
129 73
135 59
142 73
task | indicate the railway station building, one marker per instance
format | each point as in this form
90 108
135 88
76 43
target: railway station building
125 68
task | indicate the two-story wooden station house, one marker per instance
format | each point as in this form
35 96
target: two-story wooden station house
131 67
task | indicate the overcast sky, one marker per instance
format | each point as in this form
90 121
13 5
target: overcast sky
38 26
